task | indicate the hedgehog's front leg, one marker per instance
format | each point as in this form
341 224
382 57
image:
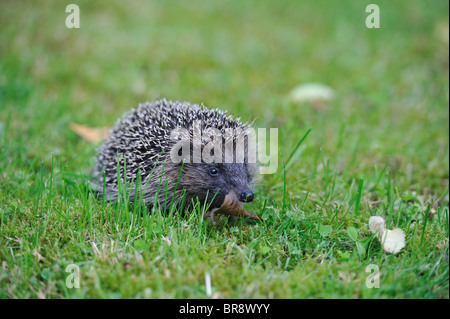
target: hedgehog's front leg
251 215
210 214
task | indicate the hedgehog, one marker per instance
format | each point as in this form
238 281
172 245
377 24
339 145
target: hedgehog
178 153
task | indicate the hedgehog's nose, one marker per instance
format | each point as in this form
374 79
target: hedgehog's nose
247 196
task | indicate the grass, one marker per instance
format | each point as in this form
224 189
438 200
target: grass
380 147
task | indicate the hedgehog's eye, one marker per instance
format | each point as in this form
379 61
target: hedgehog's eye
213 171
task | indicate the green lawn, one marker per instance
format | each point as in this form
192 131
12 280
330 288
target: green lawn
380 147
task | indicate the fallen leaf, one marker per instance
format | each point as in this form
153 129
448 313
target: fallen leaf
90 134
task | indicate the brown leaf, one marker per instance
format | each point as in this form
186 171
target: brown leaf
90 134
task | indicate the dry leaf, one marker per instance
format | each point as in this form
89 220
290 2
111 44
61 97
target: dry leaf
90 134
392 241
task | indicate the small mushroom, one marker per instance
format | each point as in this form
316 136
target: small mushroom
231 206
392 241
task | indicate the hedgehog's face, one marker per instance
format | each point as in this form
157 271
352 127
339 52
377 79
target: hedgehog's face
215 181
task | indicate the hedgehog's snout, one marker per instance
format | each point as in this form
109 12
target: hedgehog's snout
246 196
